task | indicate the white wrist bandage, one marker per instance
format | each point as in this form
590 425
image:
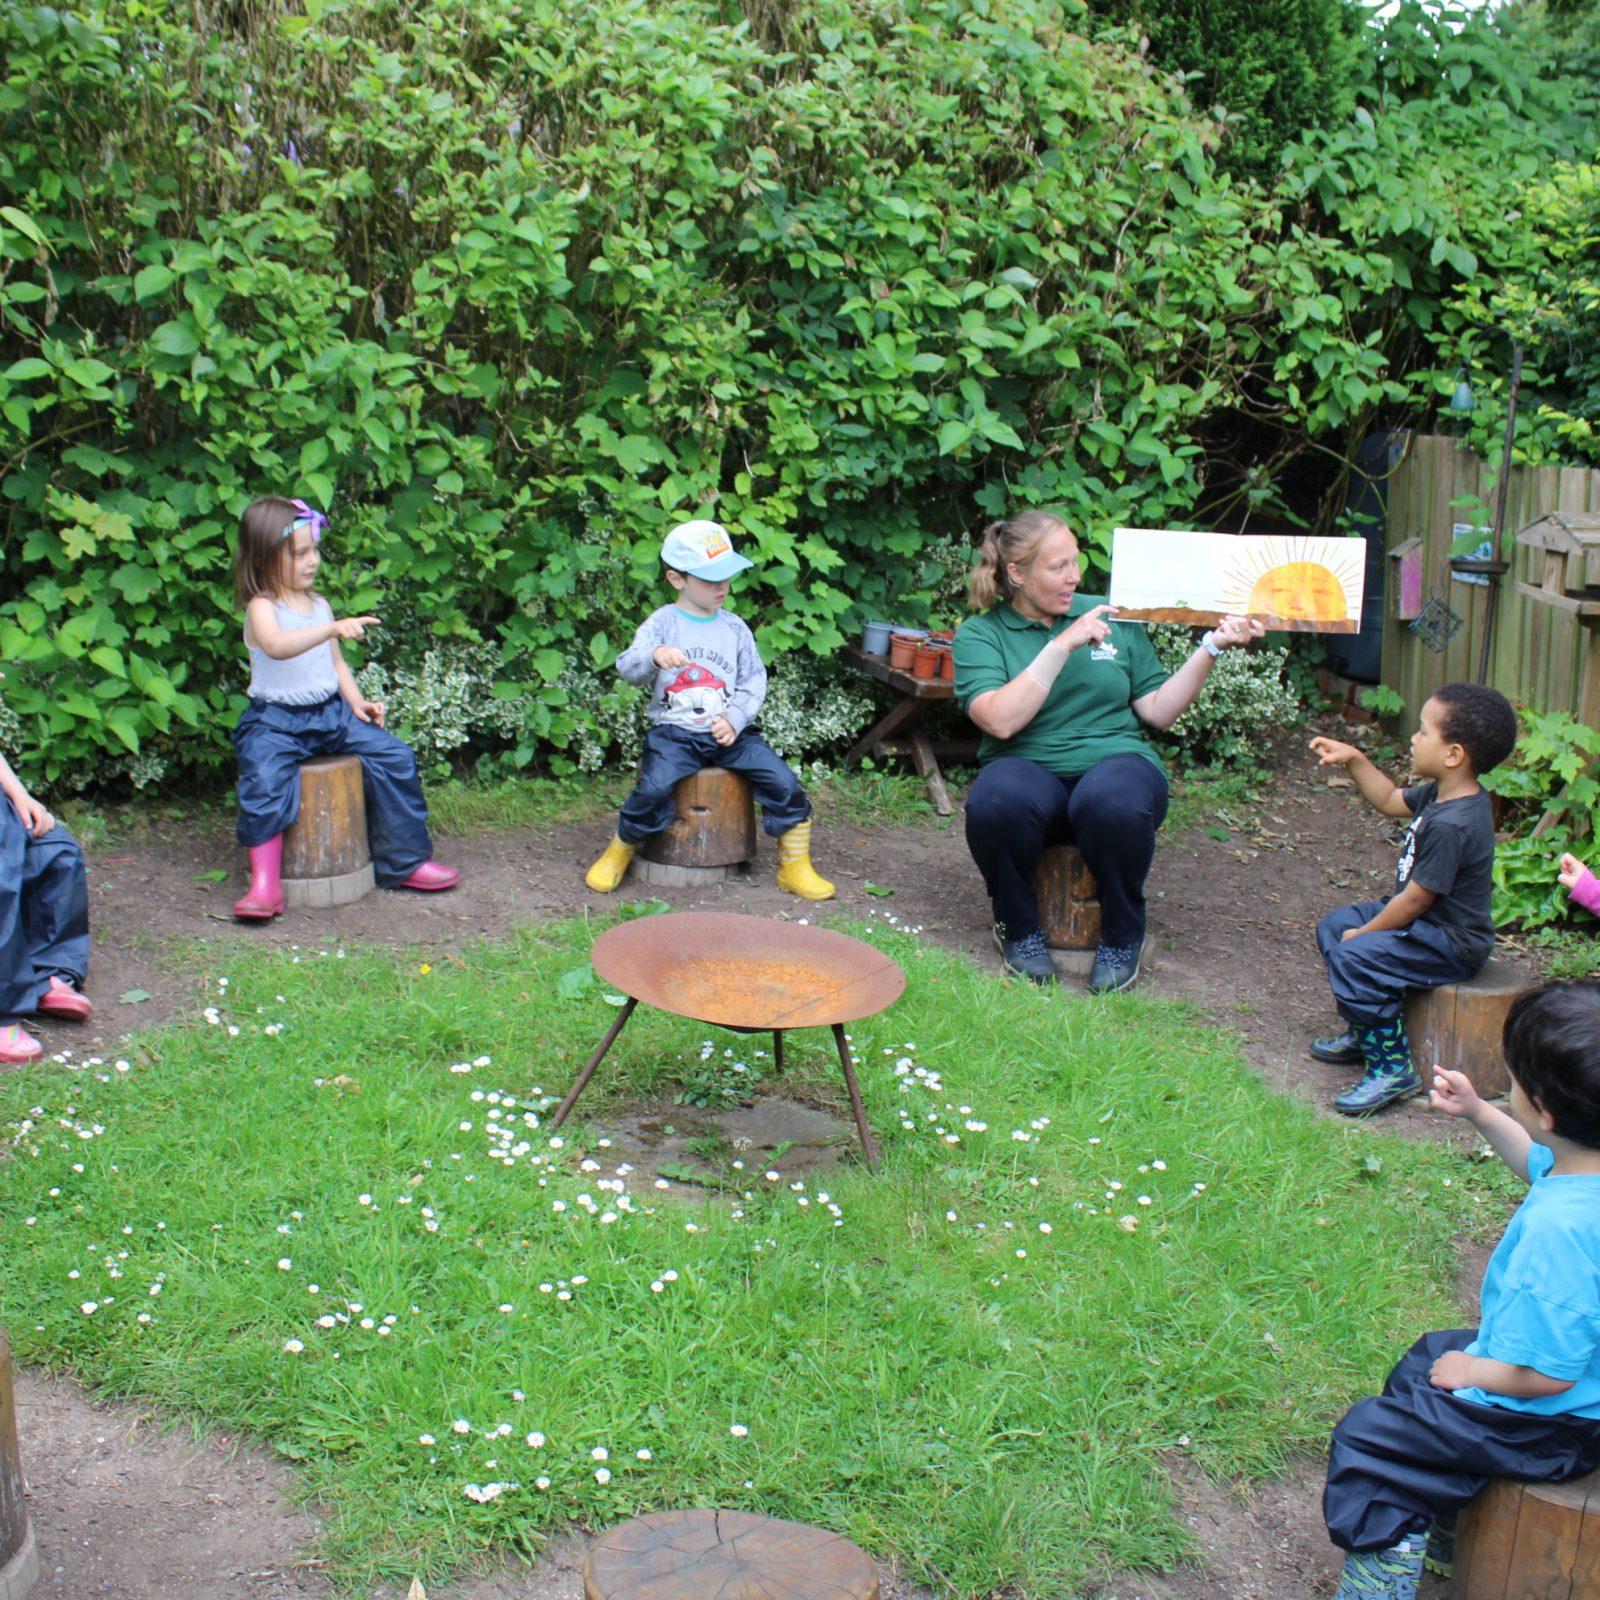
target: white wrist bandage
1046 667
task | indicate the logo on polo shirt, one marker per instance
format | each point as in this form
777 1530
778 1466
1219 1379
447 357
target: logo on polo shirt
1104 651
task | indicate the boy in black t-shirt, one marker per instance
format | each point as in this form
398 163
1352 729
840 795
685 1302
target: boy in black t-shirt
1436 927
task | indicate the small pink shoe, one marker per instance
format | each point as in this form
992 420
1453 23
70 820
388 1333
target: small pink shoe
430 876
18 1046
62 1000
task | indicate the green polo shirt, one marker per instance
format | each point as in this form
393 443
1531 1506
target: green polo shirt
1088 714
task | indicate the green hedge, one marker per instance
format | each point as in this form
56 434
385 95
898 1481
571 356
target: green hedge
510 288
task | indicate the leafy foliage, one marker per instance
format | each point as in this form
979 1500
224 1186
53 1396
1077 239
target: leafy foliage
1268 72
1549 783
510 289
1247 692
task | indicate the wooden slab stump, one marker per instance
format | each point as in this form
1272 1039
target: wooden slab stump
326 861
712 837
732 1555
1458 1025
1069 906
1530 1541
19 1557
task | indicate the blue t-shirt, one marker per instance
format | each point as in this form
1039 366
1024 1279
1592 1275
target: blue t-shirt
1541 1292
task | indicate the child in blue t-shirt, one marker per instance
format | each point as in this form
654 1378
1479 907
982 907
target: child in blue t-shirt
707 684
1519 1397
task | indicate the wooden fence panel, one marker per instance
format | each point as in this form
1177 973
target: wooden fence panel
1537 655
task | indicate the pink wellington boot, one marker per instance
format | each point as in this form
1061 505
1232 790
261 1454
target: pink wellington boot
430 876
18 1046
264 898
61 999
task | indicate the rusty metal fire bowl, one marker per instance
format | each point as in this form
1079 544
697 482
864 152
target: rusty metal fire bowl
745 973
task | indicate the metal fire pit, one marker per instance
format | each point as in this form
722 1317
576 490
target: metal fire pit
747 974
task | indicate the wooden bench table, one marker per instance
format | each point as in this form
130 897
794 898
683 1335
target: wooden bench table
900 730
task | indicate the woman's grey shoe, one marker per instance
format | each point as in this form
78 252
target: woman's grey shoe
1027 957
1115 968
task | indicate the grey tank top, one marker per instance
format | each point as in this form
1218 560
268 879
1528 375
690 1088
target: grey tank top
303 680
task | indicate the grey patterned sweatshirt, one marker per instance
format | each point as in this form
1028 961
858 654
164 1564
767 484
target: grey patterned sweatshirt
725 677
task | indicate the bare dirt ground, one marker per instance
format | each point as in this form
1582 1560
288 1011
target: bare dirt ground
122 1504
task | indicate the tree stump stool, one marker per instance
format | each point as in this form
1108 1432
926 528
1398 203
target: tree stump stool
1069 906
1530 1541
1458 1025
733 1555
19 1558
713 836
326 861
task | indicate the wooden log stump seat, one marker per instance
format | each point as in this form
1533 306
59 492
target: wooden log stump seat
732 1555
713 836
326 861
1530 1541
1458 1025
19 1557
1069 906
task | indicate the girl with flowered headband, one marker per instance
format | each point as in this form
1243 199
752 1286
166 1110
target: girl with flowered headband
304 703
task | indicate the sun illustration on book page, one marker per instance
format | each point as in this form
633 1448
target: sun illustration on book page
1292 581
1277 582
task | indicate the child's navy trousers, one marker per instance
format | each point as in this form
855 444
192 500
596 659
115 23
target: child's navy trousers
1369 976
1416 1453
44 913
671 754
272 740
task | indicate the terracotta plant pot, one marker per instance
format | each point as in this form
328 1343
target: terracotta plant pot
902 648
925 663
947 665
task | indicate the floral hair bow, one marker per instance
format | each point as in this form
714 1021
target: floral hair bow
315 518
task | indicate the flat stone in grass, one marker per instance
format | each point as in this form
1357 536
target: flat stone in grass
734 1555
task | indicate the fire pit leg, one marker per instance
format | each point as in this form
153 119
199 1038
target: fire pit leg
594 1061
777 1049
868 1149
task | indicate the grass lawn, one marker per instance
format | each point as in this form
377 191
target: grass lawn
326 1215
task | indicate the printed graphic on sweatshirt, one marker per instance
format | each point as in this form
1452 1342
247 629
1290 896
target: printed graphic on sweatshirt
694 699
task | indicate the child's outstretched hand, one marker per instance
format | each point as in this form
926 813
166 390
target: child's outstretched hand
353 627
722 731
1453 1093
1333 753
1572 869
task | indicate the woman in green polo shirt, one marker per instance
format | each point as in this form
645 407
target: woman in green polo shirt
1063 693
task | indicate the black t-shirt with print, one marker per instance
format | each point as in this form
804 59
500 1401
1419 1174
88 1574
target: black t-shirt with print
1449 849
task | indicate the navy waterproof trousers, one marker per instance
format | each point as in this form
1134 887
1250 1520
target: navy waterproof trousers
671 754
1369 976
44 913
272 740
1416 1454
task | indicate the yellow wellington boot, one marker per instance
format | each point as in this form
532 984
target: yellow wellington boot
611 868
796 875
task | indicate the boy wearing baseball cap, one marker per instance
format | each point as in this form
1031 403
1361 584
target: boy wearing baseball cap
707 684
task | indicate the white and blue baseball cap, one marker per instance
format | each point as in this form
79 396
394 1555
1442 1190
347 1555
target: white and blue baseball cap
703 550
